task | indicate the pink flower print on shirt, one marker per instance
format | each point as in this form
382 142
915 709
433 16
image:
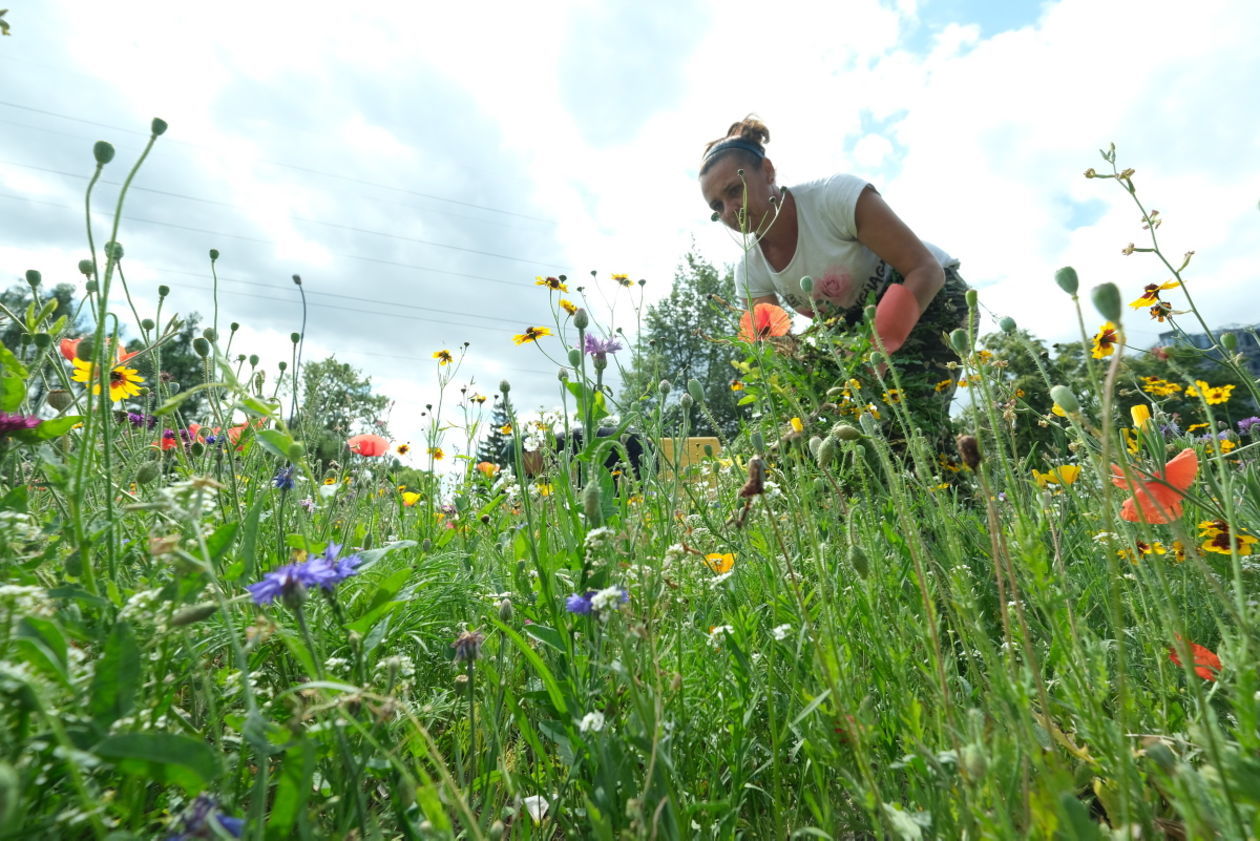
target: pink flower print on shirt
835 287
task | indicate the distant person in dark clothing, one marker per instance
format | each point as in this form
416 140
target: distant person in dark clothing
630 454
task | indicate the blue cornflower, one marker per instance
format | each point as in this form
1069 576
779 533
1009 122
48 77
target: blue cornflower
291 581
203 819
596 346
1246 424
579 603
284 478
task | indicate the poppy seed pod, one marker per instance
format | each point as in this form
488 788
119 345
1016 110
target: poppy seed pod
211 334
163 291
196 613
253 360
33 278
696 390
563 375
86 268
1007 324
201 347
807 284
580 319
959 340
60 399
234 326
971 296
91 287
1107 300
297 280
827 451
1065 399
282 365
296 451
858 560
1067 280
147 472
114 250
686 402
214 254
147 324
103 152
158 127
815 441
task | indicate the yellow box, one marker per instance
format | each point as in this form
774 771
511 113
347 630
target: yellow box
684 457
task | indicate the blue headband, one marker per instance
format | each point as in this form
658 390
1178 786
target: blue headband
735 143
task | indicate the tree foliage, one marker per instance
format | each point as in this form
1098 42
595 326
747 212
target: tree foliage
677 344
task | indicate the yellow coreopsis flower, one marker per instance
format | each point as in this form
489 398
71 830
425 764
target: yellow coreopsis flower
555 284
1212 394
1150 295
123 382
437 453
720 562
568 306
1106 340
443 357
797 426
531 334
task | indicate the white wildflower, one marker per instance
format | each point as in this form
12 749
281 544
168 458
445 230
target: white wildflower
780 632
592 722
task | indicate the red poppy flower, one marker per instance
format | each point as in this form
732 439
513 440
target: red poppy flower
1159 495
1206 663
368 445
70 350
764 320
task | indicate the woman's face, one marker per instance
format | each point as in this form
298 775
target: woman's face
724 190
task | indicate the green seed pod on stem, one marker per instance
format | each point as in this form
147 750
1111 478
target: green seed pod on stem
1007 324
581 320
665 387
827 451
959 340
158 127
33 278
592 503
253 360
1107 300
1229 341
114 250
1065 399
1067 280
696 390
42 340
296 451
86 268
846 432
815 441
196 613
201 347
686 402
147 472
971 296
504 386
807 284
575 357
147 324
103 152
858 560
214 254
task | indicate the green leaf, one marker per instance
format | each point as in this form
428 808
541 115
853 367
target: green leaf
10 362
276 442
57 426
292 790
257 408
117 677
249 540
221 540
12 393
15 499
548 679
548 636
188 763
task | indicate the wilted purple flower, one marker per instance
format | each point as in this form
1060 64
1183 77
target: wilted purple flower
468 645
598 347
284 478
1245 425
308 504
204 819
17 423
1170 429
579 603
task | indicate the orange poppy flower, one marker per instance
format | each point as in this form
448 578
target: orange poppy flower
368 445
70 350
1159 495
1206 663
764 320
487 468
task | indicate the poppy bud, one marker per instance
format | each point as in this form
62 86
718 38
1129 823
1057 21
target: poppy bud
295 337
211 334
858 560
1007 324
33 278
197 448
496 830
163 291
158 127
592 503
1107 300
807 284
296 451
196 613
86 348
959 340
234 326
580 319
563 375
147 472
1067 280
1065 399
664 387
60 399
878 358
686 402
969 451
214 254
504 386
845 432
42 340
114 250
696 390
1229 341
974 760
147 324
815 441
827 451
103 152
1161 755
426 545
297 280
253 360
201 347
91 287
575 357
971 296
869 313
86 267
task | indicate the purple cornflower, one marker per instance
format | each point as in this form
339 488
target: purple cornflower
1223 435
139 420
1245 425
17 423
284 479
580 604
598 347
1170 429
308 504
204 819
291 581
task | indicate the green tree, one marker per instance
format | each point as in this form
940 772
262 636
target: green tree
675 345
336 401
492 446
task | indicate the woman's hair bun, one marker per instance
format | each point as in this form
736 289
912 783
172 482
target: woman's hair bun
751 129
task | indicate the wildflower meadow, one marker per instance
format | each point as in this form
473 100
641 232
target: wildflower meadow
828 625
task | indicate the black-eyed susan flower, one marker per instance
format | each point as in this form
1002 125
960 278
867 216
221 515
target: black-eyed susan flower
1222 539
123 382
402 449
1105 342
443 357
623 279
942 385
568 306
436 453
1150 295
478 398
531 334
1210 393
892 395
555 284
737 385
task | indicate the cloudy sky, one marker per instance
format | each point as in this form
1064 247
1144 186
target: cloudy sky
418 164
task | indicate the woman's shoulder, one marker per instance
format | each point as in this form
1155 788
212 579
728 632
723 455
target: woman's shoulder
830 187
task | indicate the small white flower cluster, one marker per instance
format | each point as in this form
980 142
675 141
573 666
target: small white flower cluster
146 607
718 633
606 600
397 667
592 722
336 664
780 632
191 499
597 539
674 557
17 600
